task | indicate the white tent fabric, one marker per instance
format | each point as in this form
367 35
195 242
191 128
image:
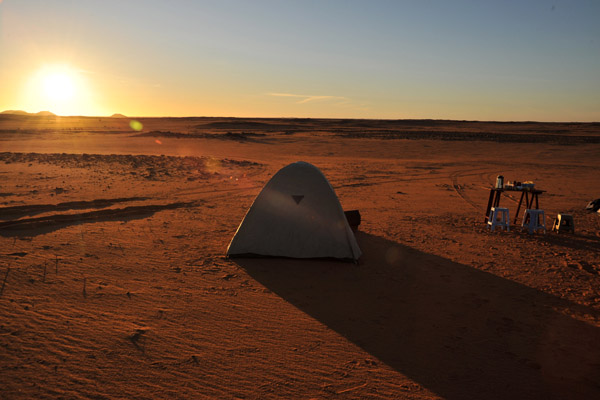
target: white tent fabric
298 215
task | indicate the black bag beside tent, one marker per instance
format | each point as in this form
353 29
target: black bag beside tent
353 218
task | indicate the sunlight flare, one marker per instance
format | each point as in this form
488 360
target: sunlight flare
59 88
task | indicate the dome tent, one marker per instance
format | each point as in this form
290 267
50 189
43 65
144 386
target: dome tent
297 214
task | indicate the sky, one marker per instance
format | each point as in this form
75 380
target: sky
463 59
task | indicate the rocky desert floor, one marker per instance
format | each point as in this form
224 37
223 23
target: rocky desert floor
115 284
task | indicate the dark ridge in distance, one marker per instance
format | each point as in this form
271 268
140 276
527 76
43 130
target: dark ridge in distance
239 136
473 136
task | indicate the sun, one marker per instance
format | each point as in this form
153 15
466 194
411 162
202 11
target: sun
60 88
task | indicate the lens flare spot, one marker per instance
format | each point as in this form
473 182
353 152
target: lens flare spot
136 125
157 141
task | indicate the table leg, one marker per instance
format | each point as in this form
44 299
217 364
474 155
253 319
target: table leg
519 207
497 199
489 206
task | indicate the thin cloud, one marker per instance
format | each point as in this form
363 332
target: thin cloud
303 99
319 98
335 101
285 95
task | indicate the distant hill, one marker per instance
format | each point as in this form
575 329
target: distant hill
38 114
118 116
15 112
45 114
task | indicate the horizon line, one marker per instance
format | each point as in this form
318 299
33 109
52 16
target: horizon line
47 114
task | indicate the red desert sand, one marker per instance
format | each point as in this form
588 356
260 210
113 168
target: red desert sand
115 282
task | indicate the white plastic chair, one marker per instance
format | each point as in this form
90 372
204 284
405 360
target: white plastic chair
498 217
534 220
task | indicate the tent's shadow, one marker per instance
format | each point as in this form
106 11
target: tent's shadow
456 330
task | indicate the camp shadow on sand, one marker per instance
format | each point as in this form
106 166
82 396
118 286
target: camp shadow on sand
30 227
460 332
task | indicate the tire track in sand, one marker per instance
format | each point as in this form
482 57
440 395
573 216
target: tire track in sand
484 175
459 189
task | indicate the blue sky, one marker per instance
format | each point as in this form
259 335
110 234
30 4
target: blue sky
486 60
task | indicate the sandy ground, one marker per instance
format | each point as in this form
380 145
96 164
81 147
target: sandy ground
115 284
